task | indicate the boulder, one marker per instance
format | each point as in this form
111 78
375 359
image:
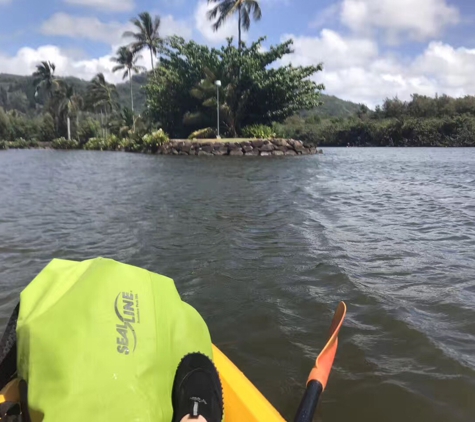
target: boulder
265 154
257 143
236 152
290 152
218 145
186 146
267 147
280 143
278 153
207 148
247 148
253 153
234 145
174 151
246 144
221 151
183 153
204 153
281 148
320 151
298 145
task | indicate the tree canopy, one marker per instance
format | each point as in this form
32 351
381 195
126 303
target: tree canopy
181 94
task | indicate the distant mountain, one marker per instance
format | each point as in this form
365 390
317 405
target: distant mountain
333 107
17 92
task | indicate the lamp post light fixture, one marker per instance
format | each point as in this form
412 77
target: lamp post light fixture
218 84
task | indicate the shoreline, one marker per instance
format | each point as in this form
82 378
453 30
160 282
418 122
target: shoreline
210 147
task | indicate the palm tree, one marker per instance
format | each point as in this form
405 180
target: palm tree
102 95
226 8
147 35
126 59
68 102
44 77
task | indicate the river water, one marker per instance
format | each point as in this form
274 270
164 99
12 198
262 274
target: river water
266 248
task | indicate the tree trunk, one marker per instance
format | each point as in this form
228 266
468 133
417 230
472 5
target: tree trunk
239 28
102 124
69 128
131 92
107 121
151 59
132 99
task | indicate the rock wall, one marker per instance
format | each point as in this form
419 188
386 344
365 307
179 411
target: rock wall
254 147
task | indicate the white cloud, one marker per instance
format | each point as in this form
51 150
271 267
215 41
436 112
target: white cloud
62 24
91 28
108 5
170 26
332 48
417 20
326 16
26 59
355 70
204 26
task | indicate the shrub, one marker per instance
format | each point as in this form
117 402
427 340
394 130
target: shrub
47 131
63 143
130 145
112 143
20 143
258 131
3 145
33 143
206 133
96 144
154 140
88 128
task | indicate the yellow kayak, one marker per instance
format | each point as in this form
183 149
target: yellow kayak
243 402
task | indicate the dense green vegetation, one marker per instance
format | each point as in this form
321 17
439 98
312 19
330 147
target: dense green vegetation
182 94
423 121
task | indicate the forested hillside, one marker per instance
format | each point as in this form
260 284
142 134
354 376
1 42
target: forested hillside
18 93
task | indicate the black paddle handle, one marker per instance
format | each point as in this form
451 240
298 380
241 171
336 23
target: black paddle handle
309 402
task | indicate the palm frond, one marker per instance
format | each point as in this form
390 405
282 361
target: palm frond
255 8
245 19
130 34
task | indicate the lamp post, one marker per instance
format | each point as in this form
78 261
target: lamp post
218 84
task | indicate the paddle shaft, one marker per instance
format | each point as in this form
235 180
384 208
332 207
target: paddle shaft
309 402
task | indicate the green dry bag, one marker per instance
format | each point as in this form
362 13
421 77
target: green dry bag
100 341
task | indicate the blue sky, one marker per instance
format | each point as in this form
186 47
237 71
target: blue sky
370 48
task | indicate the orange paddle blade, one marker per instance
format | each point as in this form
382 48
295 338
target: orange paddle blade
323 365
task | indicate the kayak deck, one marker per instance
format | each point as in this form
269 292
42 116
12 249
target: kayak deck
242 400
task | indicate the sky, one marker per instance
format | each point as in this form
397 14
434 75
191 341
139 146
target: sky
370 49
